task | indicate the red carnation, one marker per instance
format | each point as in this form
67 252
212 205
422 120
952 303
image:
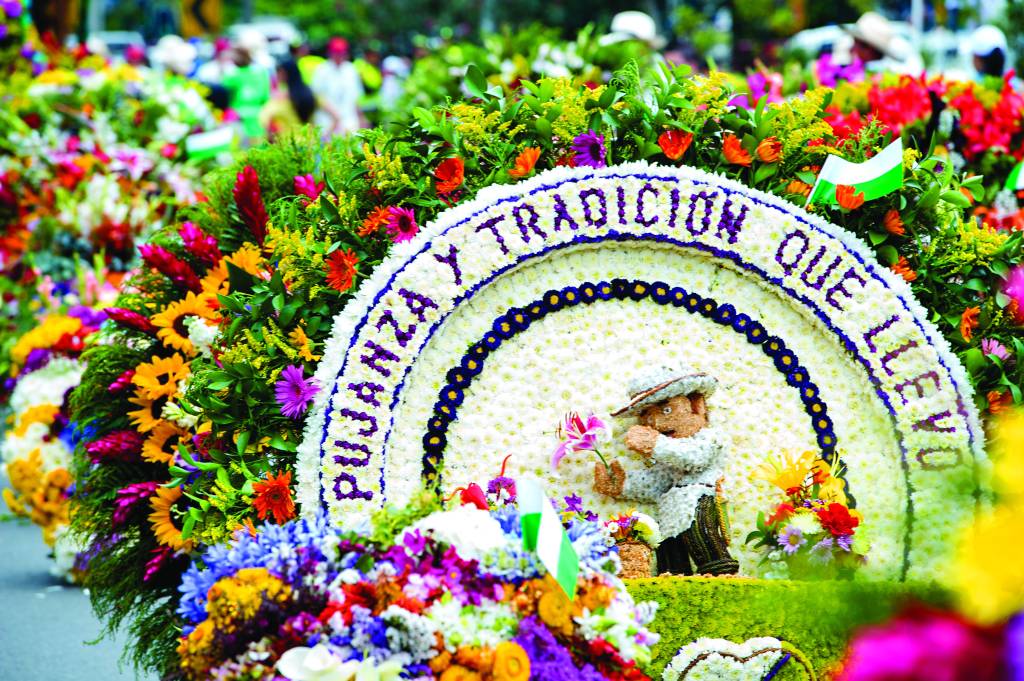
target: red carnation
171 266
837 520
250 203
449 174
130 319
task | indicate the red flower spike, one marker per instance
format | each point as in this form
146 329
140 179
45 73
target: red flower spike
171 266
117 445
249 201
130 319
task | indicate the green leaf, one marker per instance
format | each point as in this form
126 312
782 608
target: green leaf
888 255
974 360
278 442
955 197
330 211
976 284
475 82
187 526
223 479
242 442
877 237
764 172
543 127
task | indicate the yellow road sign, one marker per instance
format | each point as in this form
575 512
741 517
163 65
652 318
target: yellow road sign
201 17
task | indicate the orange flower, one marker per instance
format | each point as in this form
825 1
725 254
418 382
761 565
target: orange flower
798 187
734 151
967 192
342 267
848 198
769 149
274 496
999 401
525 162
459 673
893 223
902 268
969 322
377 218
511 662
674 143
449 175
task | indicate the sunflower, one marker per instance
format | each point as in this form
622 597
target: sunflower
161 443
170 322
215 283
167 533
160 377
248 259
149 413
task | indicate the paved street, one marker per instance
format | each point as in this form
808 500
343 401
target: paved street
44 623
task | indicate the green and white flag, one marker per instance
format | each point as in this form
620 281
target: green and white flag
210 143
1015 182
543 534
875 177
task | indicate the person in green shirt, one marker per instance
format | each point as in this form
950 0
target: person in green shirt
248 91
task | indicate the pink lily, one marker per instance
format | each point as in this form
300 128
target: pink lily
577 434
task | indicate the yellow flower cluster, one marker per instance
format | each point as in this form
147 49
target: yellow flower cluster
45 335
479 128
574 115
38 496
799 120
989 572
385 170
505 662
231 601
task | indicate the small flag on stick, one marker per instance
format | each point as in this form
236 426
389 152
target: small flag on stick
210 143
543 534
1015 182
879 175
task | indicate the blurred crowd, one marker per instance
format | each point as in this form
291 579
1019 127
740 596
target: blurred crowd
274 87
270 91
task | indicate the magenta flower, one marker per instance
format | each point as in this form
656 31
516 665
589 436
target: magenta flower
1015 289
130 499
990 346
589 148
294 392
305 185
199 243
401 224
577 434
791 539
924 645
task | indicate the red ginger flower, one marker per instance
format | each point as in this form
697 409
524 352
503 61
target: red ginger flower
130 319
122 382
130 499
249 201
117 445
200 244
274 496
171 266
837 520
450 173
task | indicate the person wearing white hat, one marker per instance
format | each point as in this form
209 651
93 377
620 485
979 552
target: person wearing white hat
988 49
634 25
878 45
684 457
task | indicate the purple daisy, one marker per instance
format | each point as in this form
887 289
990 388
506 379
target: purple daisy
791 539
401 224
574 503
294 392
589 148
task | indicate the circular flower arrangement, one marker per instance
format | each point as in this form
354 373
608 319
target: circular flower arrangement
434 292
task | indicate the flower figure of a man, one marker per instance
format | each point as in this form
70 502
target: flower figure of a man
684 464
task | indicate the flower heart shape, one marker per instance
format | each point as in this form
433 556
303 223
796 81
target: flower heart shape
724 660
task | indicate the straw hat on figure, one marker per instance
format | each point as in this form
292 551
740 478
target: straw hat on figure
684 464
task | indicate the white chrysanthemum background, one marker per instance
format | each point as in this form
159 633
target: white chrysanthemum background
582 358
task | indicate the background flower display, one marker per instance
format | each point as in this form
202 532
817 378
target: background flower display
91 164
197 390
451 595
